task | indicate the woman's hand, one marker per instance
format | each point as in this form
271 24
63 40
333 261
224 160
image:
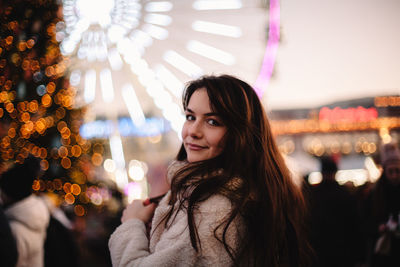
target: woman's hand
137 210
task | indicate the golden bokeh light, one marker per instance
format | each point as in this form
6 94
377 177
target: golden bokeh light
69 198
46 100
63 152
79 210
44 164
67 188
97 159
66 163
36 185
75 189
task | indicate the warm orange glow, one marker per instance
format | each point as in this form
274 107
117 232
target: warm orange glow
8 85
69 198
1 112
15 59
35 65
97 159
98 148
75 189
12 95
26 64
49 121
76 151
51 87
79 210
22 46
29 126
57 184
65 133
9 40
30 43
66 163
36 185
50 71
33 106
43 153
67 187
65 142
21 106
40 125
11 132
44 164
67 101
5 142
60 113
3 96
9 107
46 100
61 125
63 152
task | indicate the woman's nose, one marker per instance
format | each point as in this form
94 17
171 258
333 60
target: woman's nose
195 130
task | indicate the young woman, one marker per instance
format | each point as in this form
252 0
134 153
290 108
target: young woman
232 201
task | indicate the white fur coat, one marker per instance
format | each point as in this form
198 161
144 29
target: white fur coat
29 219
130 246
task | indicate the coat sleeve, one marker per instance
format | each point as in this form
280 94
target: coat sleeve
129 246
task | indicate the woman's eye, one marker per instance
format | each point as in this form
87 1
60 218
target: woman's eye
189 117
213 122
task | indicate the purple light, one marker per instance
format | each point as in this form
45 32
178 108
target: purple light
271 49
133 189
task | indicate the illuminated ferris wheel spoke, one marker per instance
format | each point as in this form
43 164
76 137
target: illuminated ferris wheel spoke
133 105
158 19
107 85
155 31
114 59
217 28
173 84
90 86
217 4
141 39
211 52
183 64
161 6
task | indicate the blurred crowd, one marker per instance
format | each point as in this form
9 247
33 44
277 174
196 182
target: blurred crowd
349 226
356 226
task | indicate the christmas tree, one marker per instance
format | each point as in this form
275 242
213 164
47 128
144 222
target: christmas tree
37 114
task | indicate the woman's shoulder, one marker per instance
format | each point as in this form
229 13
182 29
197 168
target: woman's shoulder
173 167
218 204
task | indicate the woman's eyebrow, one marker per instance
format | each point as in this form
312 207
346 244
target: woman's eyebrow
206 114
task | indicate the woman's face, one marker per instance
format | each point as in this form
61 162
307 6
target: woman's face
203 130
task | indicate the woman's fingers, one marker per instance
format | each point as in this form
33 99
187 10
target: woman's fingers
138 210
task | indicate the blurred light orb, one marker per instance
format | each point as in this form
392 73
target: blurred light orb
136 173
109 165
315 178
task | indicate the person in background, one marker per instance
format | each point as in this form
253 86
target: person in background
8 247
27 214
334 220
60 246
383 212
232 201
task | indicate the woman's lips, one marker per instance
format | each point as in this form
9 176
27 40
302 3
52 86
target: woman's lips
195 147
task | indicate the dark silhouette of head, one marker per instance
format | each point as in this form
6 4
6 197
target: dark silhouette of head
16 182
328 167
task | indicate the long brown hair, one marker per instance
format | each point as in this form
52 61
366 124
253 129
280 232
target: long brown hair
271 206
